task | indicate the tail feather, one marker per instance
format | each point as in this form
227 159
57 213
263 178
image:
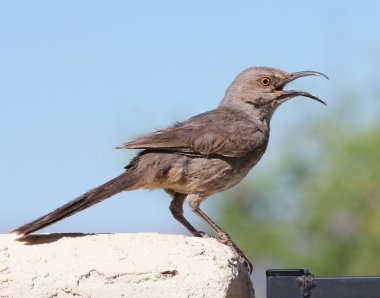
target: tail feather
92 197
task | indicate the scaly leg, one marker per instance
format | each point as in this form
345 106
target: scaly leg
223 237
176 208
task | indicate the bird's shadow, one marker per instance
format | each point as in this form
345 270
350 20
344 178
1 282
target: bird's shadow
38 239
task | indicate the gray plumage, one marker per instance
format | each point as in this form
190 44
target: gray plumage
206 154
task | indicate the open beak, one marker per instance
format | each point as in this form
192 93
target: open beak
293 93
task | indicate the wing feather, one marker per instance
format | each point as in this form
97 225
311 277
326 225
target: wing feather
218 132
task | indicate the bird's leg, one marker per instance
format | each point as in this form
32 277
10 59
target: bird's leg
223 237
176 208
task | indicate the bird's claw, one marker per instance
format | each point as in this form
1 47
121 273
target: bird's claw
225 239
247 264
201 234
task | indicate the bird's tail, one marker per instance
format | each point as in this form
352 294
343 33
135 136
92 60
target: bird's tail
123 182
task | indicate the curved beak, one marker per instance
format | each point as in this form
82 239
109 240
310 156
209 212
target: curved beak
297 75
293 93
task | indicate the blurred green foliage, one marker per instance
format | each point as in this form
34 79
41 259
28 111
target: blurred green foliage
317 204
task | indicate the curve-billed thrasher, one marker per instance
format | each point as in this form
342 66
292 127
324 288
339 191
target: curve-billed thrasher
197 158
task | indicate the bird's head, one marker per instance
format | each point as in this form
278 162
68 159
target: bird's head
261 89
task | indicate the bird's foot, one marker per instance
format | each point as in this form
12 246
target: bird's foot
246 262
201 234
225 239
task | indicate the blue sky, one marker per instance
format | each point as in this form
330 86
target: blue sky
78 78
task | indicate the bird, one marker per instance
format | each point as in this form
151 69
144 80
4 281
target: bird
204 155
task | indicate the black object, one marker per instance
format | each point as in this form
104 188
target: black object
300 283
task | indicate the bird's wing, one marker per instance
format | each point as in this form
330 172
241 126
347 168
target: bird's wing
218 132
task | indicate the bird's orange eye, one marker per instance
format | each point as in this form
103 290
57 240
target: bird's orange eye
265 81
